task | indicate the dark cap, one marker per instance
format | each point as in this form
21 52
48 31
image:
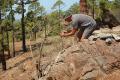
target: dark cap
68 18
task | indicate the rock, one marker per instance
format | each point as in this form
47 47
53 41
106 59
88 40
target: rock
60 57
106 63
113 76
93 38
96 32
47 70
49 78
105 36
108 40
107 33
59 72
116 37
45 78
85 61
35 75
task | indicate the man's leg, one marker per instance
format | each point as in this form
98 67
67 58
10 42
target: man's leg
88 31
79 34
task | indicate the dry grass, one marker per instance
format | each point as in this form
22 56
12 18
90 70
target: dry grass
22 64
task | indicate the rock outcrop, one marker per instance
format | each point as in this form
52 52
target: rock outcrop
86 61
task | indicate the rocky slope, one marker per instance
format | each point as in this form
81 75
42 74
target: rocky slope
86 61
89 60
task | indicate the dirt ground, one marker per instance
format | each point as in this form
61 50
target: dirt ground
63 59
86 61
23 66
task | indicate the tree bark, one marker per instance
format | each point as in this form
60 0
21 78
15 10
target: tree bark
8 44
2 55
23 29
2 52
83 7
13 39
45 31
35 36
93 10
13 35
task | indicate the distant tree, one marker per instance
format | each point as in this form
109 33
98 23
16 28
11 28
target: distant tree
6 24
116 8
2 54
30 20
116 3
92 5
12 19
107 17
74 9
36 10
22 11
3 9
17 30
33 6
83 6
54 22
58 5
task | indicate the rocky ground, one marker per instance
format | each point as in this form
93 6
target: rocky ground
89 60
86 61
23 66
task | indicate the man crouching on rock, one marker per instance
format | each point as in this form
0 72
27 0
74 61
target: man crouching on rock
81 24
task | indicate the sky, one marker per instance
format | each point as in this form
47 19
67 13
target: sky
49 3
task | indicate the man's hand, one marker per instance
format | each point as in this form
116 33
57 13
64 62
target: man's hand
62 34
72 32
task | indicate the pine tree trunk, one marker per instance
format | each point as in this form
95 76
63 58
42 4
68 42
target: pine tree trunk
13 40
35 36
59 15
83 7
13 35
93 10
2 53
8 45
45 31
0 12
23 29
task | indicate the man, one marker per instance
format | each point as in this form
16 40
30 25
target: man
83 24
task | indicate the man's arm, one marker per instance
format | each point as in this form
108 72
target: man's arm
72 32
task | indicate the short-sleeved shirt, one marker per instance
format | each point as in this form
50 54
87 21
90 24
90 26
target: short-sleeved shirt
82 20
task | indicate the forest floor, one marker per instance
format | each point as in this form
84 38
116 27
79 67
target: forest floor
23 66
83 61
